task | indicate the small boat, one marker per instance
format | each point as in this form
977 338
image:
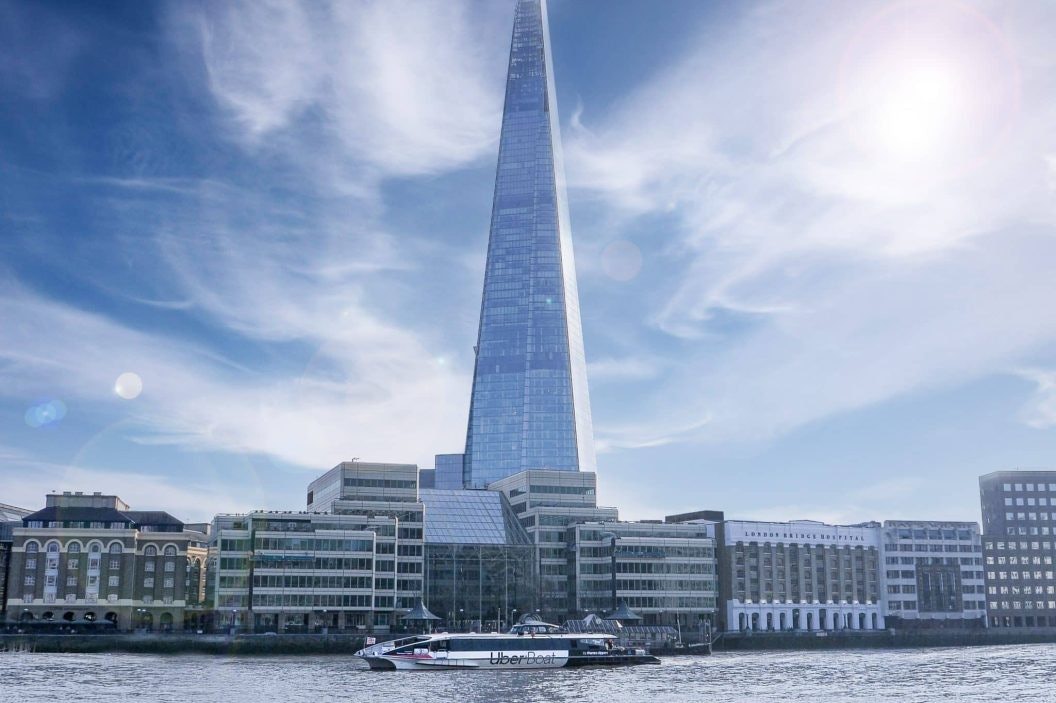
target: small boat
526 646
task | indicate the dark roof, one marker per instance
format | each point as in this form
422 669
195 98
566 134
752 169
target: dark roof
57 513
152 517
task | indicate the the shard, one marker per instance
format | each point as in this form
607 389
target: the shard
530 407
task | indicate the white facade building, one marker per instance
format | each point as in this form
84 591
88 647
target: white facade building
802 575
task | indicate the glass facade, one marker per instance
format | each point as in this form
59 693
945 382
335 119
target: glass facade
529 407
479 561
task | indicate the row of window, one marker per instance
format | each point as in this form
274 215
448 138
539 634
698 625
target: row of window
1027 487
1014 575
150 550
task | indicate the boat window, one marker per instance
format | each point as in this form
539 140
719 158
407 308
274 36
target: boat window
439 645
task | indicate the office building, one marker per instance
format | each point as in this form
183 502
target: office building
547 503
932 574
292 572
380 490
802 575
89 558
529 407
665 573
1019 535
480 570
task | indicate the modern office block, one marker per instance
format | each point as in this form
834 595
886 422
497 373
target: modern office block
932 573
296 572
1019 544
547 503
480 569
380 490
529 407
666 573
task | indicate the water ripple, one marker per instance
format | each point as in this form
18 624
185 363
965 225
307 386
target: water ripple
1006 674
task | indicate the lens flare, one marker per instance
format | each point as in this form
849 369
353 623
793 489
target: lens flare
128 385
621 260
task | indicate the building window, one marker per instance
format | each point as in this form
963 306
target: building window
148 582
148 566
71 564
170 551
71 581
150 551
31 563
168 582
115 564
113 581
170 566
115 548
73 548
31 579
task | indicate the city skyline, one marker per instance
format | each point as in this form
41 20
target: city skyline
245 244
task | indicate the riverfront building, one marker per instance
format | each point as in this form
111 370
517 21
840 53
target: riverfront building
547 503
89 558
802 575
665 573
10 518
480 564
529 407
1019 544
932 573
276 571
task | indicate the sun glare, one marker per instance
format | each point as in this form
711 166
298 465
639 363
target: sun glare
915 115
928 88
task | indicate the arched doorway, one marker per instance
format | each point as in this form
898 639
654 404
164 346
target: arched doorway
166 622
25 617
810 621
111 617
742 622
48 616
89 617
146 620
68 616
861 621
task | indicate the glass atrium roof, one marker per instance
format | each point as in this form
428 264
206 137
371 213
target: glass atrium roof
470 517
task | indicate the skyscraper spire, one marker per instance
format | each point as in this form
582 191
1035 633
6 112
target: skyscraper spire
530 407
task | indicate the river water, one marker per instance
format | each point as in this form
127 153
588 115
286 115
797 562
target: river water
951 675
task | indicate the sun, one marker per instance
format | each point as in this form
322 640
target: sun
915 114
927 87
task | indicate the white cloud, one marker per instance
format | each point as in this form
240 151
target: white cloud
400 87
1040 411
370 390
856 275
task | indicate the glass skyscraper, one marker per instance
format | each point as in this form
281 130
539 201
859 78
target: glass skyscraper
530 407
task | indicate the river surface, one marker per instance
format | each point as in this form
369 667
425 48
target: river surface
950 675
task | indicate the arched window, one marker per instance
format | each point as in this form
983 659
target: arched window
53 548
170 551
95 548
32 548
115 548
150 551
74 548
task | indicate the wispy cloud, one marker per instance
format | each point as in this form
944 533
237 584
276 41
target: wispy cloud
1040 410
850 275
397 87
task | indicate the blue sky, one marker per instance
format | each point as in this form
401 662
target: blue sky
815 245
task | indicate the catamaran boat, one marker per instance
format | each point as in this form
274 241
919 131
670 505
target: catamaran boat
525 646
